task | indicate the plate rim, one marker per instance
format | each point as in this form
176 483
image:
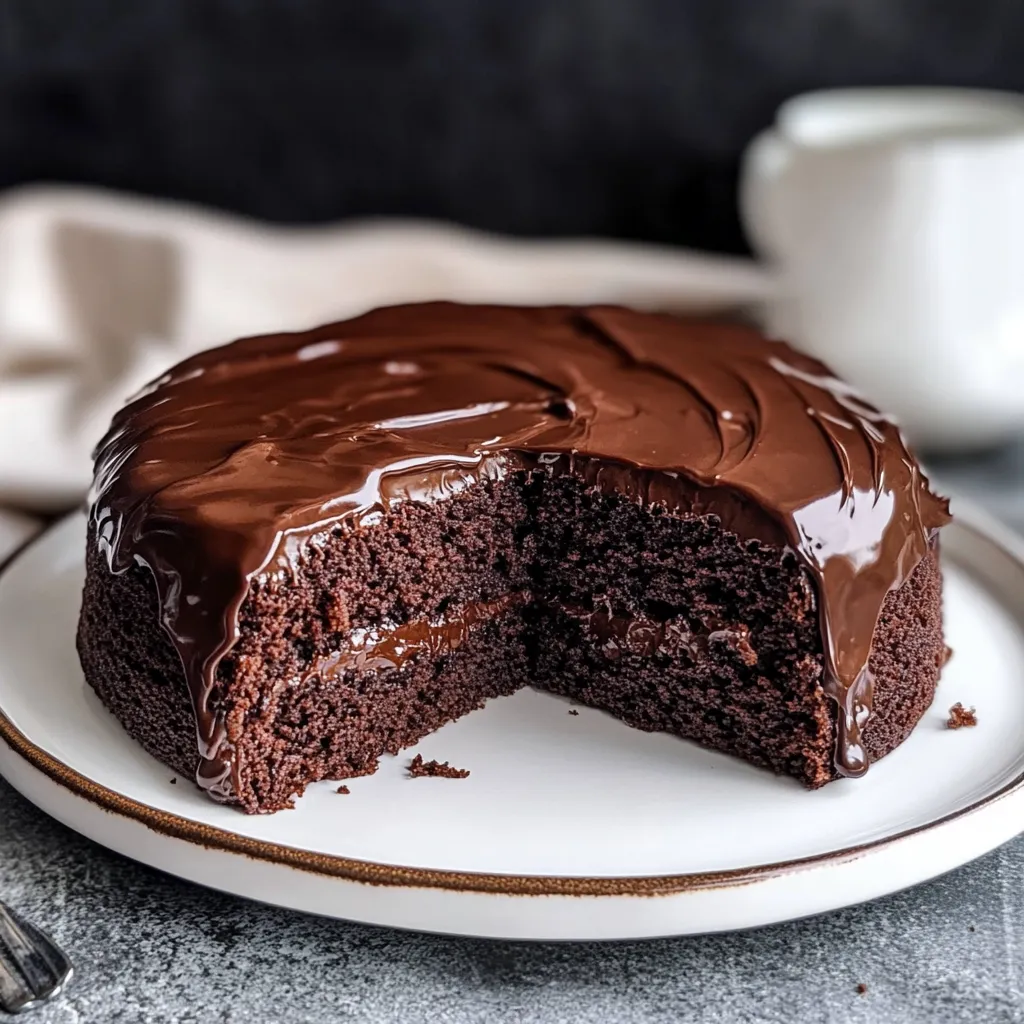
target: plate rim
968 517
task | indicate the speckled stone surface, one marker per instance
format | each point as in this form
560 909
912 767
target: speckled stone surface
150 948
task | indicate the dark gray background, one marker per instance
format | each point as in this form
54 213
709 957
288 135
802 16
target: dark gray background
618 117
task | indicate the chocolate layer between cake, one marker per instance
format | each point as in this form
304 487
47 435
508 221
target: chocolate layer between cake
308 550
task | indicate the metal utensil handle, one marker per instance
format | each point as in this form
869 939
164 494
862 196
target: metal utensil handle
33 968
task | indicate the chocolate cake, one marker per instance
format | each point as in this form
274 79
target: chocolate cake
306 550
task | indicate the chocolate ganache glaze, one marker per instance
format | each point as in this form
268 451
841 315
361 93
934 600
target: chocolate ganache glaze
225 467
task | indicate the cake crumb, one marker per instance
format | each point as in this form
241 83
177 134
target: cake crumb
861 988
343 790
418 769
573 711
747 653
947 653
174 782
961 717
970 927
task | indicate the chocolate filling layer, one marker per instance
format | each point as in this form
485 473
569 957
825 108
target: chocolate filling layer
391 646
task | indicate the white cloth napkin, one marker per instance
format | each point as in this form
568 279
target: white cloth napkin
101 293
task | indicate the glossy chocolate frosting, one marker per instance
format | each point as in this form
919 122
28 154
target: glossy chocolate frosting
223 468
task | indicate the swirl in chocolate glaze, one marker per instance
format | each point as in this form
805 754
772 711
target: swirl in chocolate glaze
222 469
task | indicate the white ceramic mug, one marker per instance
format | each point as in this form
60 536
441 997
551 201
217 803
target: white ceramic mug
894 219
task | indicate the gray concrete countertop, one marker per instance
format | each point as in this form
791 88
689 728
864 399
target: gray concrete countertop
149 948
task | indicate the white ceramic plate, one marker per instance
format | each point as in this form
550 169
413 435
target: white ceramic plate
570 826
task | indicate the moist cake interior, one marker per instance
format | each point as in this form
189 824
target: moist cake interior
384 631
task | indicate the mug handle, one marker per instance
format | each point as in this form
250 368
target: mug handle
764 163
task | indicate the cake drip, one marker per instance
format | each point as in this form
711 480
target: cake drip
224 468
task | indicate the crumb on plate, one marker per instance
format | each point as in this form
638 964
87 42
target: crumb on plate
961 717
418 768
